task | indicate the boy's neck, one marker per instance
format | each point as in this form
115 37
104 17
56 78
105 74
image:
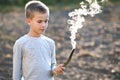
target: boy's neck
34 35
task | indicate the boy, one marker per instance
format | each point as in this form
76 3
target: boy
34 53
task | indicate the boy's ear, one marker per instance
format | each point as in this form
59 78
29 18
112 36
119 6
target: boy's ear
28 21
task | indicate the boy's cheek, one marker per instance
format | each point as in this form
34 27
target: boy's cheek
46 26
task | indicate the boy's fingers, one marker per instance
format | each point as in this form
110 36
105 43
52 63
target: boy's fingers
60 65
63 68
60 69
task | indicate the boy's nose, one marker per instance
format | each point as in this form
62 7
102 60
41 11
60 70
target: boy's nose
43 25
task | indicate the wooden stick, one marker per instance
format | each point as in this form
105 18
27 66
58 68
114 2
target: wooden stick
69 58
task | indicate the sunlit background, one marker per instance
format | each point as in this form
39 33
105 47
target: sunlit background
97 55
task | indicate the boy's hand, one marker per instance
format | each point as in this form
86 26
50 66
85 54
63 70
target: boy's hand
58 70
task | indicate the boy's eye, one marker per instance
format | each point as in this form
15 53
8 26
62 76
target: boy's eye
46 21
39 21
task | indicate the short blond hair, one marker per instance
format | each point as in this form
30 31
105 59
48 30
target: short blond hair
35 6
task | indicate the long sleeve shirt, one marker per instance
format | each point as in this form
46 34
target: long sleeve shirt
33 58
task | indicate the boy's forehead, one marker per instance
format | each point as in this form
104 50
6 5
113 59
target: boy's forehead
40 15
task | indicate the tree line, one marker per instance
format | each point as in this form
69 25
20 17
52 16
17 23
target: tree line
48 2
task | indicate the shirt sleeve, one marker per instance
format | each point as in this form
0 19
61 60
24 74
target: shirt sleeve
53 56
17 59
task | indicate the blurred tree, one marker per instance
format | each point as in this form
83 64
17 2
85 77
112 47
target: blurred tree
49 2
21 2
6 1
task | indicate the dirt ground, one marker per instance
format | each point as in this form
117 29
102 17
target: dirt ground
97 56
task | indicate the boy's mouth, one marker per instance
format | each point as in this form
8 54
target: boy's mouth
42 30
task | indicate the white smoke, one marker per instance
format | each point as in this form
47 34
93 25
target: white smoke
77 17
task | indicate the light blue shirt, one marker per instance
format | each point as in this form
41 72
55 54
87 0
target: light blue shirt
33 58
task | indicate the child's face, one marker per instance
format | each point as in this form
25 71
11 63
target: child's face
38 23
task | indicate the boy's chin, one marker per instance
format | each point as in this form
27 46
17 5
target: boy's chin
43 31
40 33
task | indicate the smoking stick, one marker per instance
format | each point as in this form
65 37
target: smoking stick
69 58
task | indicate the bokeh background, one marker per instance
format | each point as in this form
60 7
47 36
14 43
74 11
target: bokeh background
97 56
